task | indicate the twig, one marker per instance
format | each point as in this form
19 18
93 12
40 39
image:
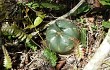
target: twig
67 14
72 10
100 54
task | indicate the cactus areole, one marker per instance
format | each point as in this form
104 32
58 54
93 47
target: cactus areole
62 36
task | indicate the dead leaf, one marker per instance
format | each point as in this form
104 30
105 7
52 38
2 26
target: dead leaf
60 64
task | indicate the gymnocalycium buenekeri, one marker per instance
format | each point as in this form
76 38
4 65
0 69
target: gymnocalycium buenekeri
62 36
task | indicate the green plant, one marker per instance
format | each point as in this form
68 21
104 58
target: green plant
3 13
105 2
82 9
83 36
37 21
51 56
7 59
15 31
62 36
106 24
48 5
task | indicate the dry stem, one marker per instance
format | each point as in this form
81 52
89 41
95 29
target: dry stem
67 14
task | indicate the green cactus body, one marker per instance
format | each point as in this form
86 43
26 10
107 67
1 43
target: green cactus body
62 36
